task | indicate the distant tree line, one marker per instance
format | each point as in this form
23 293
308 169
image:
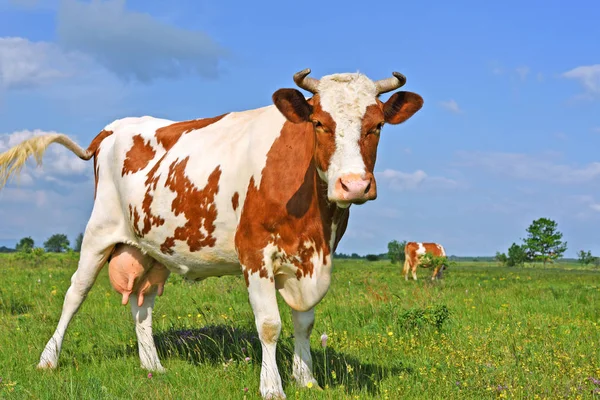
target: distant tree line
57 243
355 256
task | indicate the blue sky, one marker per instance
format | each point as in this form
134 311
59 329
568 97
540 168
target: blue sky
509 132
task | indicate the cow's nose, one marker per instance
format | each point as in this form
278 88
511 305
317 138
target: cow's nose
355 188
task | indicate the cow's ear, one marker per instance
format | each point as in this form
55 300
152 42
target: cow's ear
292 105
401 106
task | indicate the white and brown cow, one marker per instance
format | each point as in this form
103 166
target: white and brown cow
413 251
264 193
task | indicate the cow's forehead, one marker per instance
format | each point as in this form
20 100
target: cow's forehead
346 96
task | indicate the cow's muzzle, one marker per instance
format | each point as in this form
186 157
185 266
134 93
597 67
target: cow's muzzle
354 188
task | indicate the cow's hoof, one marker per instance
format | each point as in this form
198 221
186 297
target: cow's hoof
157 368
46 365
274 395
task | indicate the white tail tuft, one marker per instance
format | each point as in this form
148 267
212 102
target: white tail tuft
13 160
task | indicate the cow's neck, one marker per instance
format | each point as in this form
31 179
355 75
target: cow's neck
296 193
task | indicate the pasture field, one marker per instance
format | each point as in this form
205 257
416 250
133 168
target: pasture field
483 332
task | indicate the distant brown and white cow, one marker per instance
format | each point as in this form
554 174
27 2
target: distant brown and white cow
413 251
264 193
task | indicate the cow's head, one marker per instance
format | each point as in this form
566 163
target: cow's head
347 117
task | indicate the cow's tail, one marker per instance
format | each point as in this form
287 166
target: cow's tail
13 160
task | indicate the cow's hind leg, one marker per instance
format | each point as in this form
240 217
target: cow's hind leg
92 257
143 328
303 368
263 299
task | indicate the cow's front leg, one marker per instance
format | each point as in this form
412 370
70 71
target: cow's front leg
303 326
261 292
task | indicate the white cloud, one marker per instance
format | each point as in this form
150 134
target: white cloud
588 76
403 181
40 212
451 105
528 167
26 64
134 45
59 164
587 206
596 129
523 72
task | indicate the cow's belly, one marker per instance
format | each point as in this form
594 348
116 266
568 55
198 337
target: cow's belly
204 263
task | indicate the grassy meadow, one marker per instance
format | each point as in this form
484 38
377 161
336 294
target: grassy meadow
483 332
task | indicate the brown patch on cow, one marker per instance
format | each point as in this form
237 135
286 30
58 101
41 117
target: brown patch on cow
369 136
168 135
325 135
151 182
246 277
289 208
269 331
134 217
149 219
197 205
138 157
94 147
235 200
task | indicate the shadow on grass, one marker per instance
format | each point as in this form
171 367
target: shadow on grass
14 307
221 344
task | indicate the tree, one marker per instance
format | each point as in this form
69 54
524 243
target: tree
372 257
78 241
543 241
517 255
56 243
501 258
25 245
585 258
396 251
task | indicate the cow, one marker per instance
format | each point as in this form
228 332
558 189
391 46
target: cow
263 193
413 251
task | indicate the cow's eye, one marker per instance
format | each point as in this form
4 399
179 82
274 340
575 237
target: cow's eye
376 130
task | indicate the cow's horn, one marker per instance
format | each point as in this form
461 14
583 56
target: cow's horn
305 82
389 84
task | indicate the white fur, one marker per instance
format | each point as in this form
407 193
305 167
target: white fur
346 98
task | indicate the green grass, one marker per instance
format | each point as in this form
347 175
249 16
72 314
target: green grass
483 332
